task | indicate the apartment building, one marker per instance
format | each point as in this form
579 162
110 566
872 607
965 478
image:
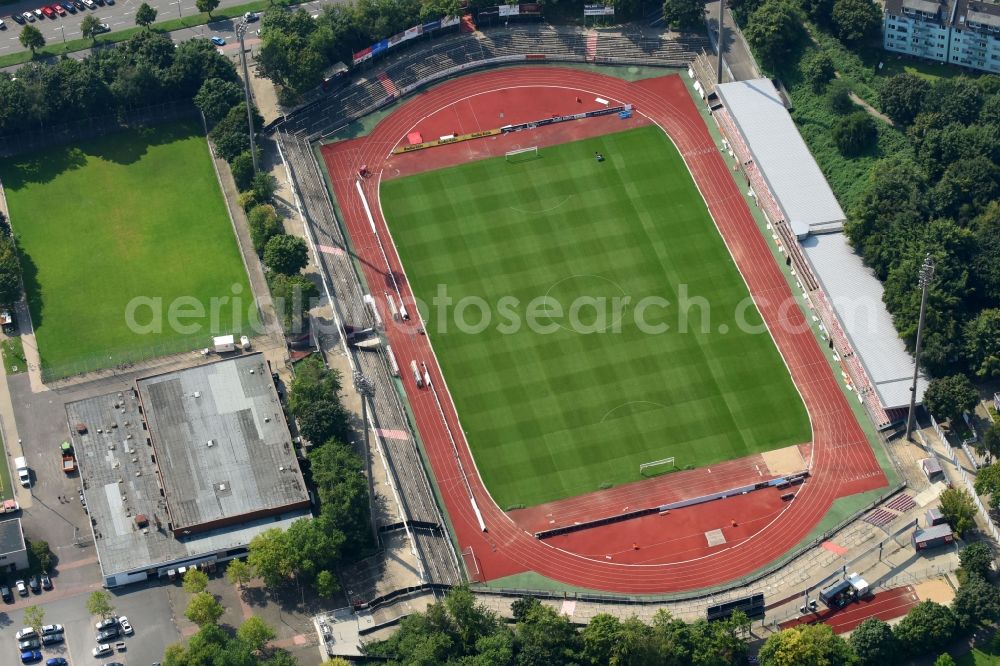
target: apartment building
959 32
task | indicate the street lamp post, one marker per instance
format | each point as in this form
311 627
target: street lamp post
241 31
926 275
366 390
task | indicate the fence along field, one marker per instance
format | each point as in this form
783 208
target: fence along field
558 414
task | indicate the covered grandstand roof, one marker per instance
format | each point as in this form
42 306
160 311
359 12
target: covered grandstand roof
856 296
781 155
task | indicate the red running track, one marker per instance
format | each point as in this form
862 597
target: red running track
887 605
843 462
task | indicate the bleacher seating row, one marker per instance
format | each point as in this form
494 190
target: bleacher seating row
425 60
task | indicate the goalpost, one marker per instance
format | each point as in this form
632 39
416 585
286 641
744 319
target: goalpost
521 154
657 467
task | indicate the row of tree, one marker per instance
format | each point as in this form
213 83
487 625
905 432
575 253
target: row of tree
145 70
459 630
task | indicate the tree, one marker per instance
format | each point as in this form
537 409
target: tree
242 170
231 134
216 97
546 637
854 133
326 584
207 6
204 609
944 660
874 643
817 69
99 603
982 344
264 186
838 98
195 581
34 617
774 31
855 20
684 13
958 509
986 263
948 397
990 443
294 296
10 271
31 38
902 96
338 474
271 557
977 558
255 633
145 16
988 483
239 573
808 645
286 254
521 606
264 224
40 549
976 601
336 661
958 98
90 27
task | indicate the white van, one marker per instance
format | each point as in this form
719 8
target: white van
21 465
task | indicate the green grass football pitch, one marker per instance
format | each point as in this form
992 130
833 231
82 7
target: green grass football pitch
133 215
568 404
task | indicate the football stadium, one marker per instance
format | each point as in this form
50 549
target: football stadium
612 382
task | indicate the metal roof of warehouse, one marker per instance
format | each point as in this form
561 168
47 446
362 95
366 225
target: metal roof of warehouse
781 155
856 295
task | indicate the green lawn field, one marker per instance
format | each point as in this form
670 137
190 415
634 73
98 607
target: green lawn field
136 215
566 404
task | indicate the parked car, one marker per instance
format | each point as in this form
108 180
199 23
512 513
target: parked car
218 41
89 4
52 629
250 17
27 632
17 18
102 651
35 584
52 639
79 4
126 626
48 12
3 26
69 6
22 589
108 634
98 30
57 661
39 14
30 656
105 623
46 582
58 9
31 643
29 16
7 595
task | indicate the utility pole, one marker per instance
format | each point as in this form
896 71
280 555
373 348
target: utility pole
722 16
926 275
241 31
366 390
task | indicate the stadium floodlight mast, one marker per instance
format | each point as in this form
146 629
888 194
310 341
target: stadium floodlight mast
241 31
366 389
722 16
924 280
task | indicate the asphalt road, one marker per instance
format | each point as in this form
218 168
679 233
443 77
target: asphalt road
119 16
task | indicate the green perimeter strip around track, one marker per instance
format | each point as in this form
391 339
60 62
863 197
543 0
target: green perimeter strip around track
565 405
842 507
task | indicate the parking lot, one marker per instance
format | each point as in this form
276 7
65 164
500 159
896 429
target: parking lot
148 611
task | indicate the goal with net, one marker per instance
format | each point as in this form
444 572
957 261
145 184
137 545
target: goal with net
522 154
657 467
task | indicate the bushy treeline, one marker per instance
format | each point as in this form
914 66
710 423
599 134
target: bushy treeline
145 70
